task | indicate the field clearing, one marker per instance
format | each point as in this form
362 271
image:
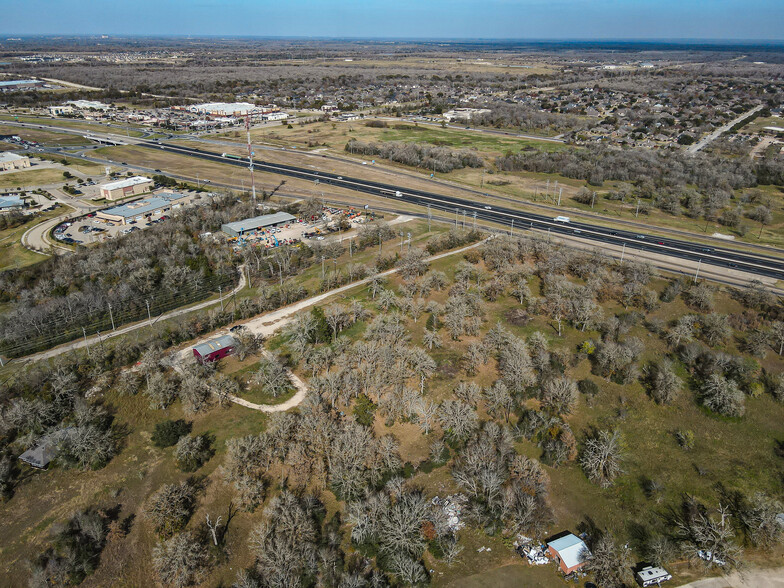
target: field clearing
758 124
512 65
31 177
88 168
336 135
49 138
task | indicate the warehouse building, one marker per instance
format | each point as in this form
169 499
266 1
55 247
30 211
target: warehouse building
145 208
239 228
214 349
9 203
17 85
128 187
9 161
223 108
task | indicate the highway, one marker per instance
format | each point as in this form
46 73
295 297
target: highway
463 209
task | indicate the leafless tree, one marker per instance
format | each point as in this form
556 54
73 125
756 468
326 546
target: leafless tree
498 399
272 376
431 339
708 538
559 395
180 561
609 563
665 385
170 507
457 419
601 458
722 395
161 390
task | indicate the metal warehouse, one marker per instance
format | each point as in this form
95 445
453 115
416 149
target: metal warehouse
147 207
239 228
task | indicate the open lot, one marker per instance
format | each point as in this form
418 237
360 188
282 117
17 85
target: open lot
44 137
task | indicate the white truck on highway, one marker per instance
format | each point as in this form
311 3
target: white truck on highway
562 219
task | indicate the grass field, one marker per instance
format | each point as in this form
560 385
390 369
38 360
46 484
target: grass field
12 253
336 135
758 124
31 177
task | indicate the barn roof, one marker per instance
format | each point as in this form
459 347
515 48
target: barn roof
570 549
204 349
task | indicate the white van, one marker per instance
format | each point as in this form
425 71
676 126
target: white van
562 219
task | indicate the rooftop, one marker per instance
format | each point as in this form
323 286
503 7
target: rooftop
7 156
260 221
47 448
145 205
133 181
208 347
10 201
19 82
570 549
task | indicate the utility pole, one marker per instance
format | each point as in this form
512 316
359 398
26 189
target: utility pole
111 317
697 273
636 212
511 230
455 217
623 250
380 242
593 199
429 216
482 184
401 241
474 220
559 196
149 316
547 190
322 268
220 295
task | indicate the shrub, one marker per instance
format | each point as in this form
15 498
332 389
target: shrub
169 432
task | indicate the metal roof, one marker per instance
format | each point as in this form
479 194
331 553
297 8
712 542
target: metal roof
258 222
20 82
204 349
570 549
134 181
145 205
10 201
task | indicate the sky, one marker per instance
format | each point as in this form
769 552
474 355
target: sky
419 19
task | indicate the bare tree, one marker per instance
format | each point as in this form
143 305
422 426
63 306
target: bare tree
431 339
664 383
180 561
170 507
723 396
708 538
559 395
601 458
457 419
609 563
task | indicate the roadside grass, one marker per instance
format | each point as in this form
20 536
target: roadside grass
42 136
88 168
96 127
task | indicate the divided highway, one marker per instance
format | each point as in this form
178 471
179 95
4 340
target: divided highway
516 220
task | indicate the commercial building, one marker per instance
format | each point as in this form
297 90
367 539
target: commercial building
569 551
274 116
223 108
214 349
16 85
10 161
127 187
464 114
74 105
144 208
239 228
9 203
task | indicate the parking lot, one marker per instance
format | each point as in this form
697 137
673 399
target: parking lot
90 229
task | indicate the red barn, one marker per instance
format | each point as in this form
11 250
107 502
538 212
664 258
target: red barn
214 349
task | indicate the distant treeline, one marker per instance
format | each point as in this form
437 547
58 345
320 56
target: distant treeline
663 168
440 159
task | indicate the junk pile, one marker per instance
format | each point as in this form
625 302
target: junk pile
536 554
452 506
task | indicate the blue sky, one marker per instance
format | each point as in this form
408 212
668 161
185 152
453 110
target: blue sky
509 19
